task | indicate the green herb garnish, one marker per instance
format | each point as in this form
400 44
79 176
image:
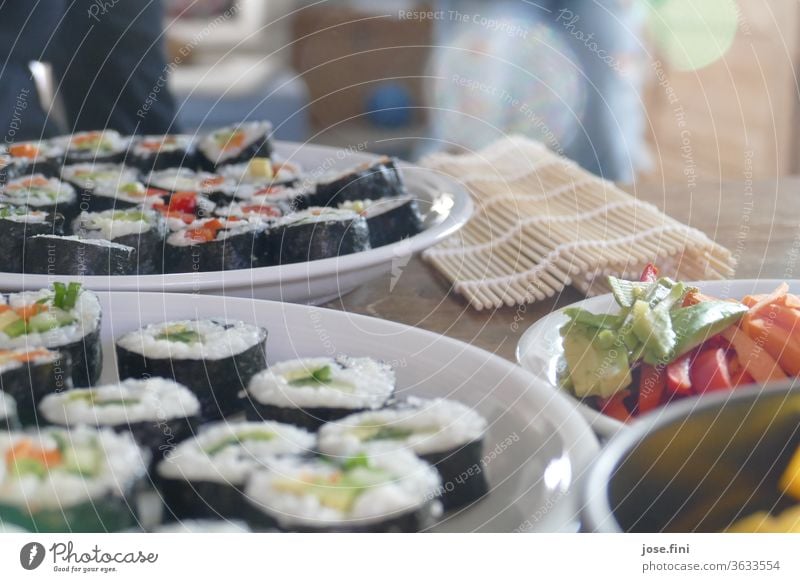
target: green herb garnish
65 296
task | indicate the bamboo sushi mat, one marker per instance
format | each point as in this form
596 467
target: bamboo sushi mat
542 223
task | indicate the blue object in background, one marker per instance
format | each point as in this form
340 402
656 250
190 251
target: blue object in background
389 105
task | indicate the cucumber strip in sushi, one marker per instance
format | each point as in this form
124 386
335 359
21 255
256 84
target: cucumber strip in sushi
214 358
64 318
204 477
140 228
8 412
86 178
369 181
31 374
78 480
234 144
48 254
158 413
106 146
17 224
216 244
388 492
389 219
33 157
447 434
316 233
158 152
40 193
216 188
311 392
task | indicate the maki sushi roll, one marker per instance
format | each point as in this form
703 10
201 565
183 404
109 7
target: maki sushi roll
106 146
311 392
50 254
182 208
86 178
260 209
64 318
288 198
140 228
17 224
158 413
215 358
445 433
204 477
317 233
234 144
389 492
389 219
158 152
40 193
370 181
8 412
30 374
79 480
122 195
214 187
33 157
216 244
261 172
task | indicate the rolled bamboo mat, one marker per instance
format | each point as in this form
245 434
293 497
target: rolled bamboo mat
542 223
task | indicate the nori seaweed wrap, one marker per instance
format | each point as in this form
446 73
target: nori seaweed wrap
97 147
215 359
235 144
32 157
87 177
389 219
30 374
16 225
151 153
216 244
71 255
40 193
369 181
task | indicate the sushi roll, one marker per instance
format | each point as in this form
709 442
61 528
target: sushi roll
389 492
215 358
235 144
78 481
30 374
64 318
288 198
316 233
447 434
49 254
40 193
33 157
182 208
122 195
389 219
204 477
370 181
106 146
311 392
261 172
151 153
214 187
216 244
158 413
85 178
8 412
140 228
17 224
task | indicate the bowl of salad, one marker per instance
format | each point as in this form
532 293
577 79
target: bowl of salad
729 462
656 341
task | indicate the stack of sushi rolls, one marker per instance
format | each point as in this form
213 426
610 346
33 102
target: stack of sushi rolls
88 177
204 477
151 153
38 192
158 413
216 244
310 392
8 412
76 480
234 144
316 233
142 229
17 224
64 317
51 254
214 358
106 146
445 433
387 492
32 374
369 181
389 219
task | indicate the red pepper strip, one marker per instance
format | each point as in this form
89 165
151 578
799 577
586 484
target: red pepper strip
651 388
710 371
650 274
679 381
615 406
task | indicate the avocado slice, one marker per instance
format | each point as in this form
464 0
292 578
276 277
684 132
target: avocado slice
594 370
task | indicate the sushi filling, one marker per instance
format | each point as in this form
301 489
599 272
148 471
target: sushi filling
113 224
214 229
228 452
22 357
131 401
152 145
38 191
352 383
228 143
88 145
90 176
318 215
254 209
186 180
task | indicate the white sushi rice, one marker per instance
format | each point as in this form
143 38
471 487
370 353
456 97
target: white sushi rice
186 180
86 314
9 359
150 400
111 224
219 339
253 131
110 141
233 463
241 175
8 408
231 228
22 215
91 175
119 460
210 526
356 383
19 192
318 214
435 425
166 144
266 211
410 483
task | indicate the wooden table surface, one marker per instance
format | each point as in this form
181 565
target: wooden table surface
759 222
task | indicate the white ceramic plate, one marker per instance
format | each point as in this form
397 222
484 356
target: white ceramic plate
539 349
537 444
446 207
